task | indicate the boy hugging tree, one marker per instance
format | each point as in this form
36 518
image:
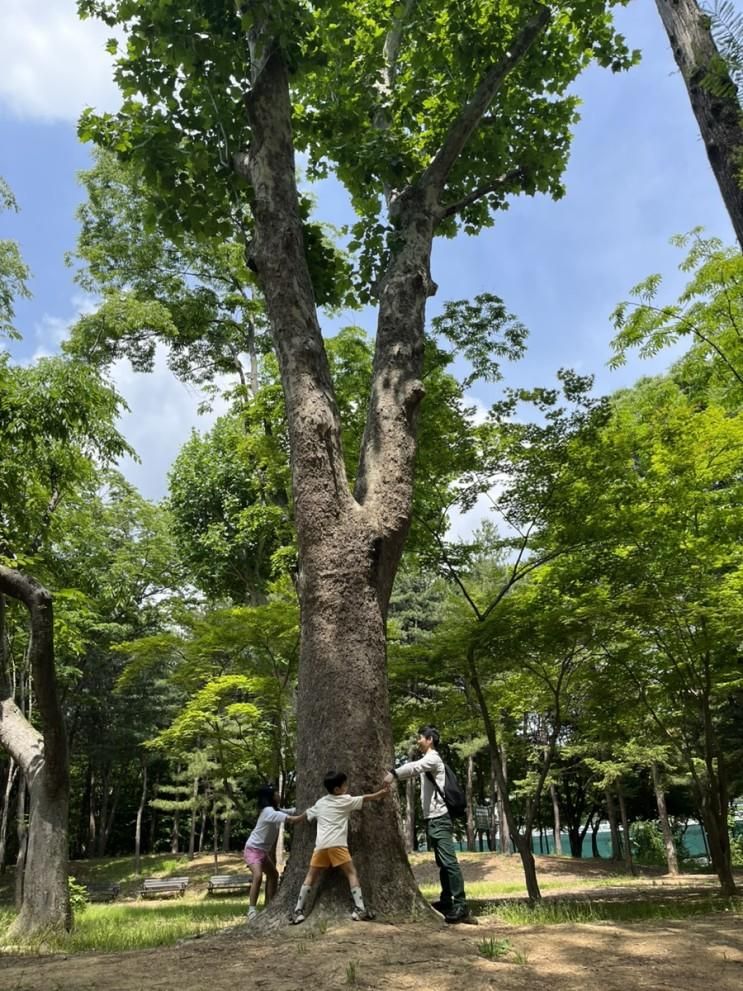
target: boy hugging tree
332 812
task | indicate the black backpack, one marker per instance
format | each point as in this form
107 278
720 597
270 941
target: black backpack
453 796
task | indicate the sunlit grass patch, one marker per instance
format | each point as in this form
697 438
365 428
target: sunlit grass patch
110 928
586 911
496 889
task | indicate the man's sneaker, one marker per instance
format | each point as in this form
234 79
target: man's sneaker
457 915
297 917
366 916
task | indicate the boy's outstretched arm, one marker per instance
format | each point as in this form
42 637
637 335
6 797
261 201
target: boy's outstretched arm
375 796
295 819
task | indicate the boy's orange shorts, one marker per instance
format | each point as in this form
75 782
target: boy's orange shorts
330 856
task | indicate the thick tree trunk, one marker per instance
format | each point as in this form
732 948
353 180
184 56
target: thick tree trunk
43 761
718 115
349 543
665 825
557 832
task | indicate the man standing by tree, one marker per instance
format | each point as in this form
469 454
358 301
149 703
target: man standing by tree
439 829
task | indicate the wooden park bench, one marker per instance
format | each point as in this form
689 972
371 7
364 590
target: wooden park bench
229 882
163 886
102 892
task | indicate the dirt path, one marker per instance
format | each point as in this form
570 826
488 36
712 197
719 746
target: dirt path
698 953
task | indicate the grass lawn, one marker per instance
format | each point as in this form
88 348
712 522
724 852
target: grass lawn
137 925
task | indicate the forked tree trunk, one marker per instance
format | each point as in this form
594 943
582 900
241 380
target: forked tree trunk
349 543
665 825
718 114
42 758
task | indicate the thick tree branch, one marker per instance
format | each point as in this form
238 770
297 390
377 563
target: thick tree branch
471 114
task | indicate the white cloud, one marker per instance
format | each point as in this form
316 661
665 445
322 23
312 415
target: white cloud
53 64
163 411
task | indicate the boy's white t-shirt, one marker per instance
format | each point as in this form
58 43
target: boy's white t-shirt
332 812
266 830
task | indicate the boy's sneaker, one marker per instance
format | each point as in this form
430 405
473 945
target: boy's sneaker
252 913
366 916
297 917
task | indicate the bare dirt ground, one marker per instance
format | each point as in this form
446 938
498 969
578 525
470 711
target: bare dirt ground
698 953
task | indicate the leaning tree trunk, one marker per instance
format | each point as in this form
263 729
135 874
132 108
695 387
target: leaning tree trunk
42 758
718 112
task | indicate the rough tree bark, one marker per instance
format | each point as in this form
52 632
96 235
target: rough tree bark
719 117
42 758
349 543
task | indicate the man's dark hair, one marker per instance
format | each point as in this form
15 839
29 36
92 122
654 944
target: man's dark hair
430 733
265 796
334 779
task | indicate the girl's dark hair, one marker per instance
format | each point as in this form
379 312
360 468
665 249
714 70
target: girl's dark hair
265 796
430 733
334 779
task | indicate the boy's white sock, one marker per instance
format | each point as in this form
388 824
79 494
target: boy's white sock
303 892
358 899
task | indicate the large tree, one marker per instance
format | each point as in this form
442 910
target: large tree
432 116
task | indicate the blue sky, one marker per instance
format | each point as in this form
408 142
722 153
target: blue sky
638 174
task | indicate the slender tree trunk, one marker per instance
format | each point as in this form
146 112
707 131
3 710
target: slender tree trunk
627 845
595 826
215 837
505 833
138 827
470 806
227 834
175 832
556 816
496 810
92 824
202 831
22 840
665 825
611 815
718 115
192 833
409 830
10 781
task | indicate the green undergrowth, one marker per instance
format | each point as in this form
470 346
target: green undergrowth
138 926
586 911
